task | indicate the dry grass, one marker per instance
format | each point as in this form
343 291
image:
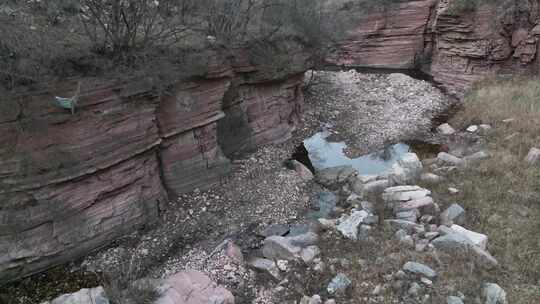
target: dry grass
502 194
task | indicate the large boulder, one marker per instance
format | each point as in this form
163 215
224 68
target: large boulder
419 269
193 287
280 248
453 214
455 243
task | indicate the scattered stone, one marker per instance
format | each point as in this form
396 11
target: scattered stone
283 265
234 252
419 269
453 300
508 120
445 129
400 234
406 170
476 238
453 243
316 299
276 229
485 127
334 177
339 284
431 235
415 289
348 225
376 186
493 294
404 193
278 247
453 191
364 232
328 223
303 240
193 287
267 266
310 253
472 129
407 241
421 245
425 204
431 178
84 296
408 215
369 207
480 155
449 159
533 157
301 170
453 214
330 301
426 282
410 227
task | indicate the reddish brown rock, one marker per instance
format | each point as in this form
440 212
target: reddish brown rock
457 50
393 39
192 287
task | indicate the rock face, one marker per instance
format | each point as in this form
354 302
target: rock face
72 183
455 49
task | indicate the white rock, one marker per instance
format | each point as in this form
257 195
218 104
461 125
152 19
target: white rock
449 159
472 129
407 170
476 238
431 178
494 294
446 129
453 190
283 265
533 157
404 193
348 224
310 253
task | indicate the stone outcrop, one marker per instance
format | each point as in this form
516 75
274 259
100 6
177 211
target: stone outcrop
456 49
72 183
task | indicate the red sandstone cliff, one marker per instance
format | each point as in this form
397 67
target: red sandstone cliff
72 183
456 50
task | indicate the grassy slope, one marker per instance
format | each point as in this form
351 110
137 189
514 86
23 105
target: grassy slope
502 194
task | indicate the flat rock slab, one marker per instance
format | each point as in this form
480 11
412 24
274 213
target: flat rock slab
193 287
476 238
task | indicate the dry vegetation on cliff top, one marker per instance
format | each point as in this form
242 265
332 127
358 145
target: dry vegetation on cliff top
502 194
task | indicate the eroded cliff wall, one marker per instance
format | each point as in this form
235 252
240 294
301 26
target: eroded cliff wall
455 48
72 183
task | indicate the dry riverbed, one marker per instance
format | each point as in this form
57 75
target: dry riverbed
367 111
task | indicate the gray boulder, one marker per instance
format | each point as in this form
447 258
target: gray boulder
376 186
453 214
280 248
302 170
266 266
407 170
449 159
453 243
431 178
493 294
410 227
419 269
